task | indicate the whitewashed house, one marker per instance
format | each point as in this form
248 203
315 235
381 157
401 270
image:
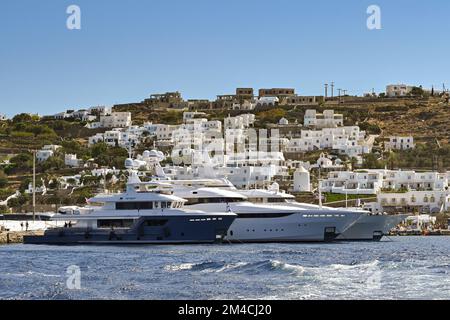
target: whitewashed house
398 90
283 122
346 140
97 138
116 120
71 160
267 101
101 110
46 152
435 201
192 115
400 143
375 181
327 119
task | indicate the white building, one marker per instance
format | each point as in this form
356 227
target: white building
302 181
83 115
46 152
267 101
116 120
374 181
113 137
283 122
346 140
246 105
71 160
398 90
97 138
400 143
165 131
327 119
101 110
192 115
239 122
432 201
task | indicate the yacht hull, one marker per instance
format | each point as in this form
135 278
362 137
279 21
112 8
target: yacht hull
371 227
297 227
146 230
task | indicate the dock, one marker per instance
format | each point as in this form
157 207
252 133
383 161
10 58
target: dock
439 232
14 237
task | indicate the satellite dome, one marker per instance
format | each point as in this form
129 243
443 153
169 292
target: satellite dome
153 153
146 154
129 163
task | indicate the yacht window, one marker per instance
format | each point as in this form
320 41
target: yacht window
121 223
274 200
166 205
155 223
213 200
134 205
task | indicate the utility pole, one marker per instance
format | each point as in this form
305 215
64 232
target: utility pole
320 194
345 93
339 92
326 91
346 199
332 90
319 187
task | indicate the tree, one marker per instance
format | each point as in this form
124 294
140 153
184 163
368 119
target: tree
417 91
3 179
353 163
53 162
371 161
23 162
23 117
18 202
98 149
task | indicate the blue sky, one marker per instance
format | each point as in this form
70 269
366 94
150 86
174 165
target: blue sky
127 50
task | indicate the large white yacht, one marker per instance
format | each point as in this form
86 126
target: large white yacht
369 227
140 215
262 222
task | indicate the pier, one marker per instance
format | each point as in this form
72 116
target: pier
11 237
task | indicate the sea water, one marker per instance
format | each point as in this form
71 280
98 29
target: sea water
395 268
